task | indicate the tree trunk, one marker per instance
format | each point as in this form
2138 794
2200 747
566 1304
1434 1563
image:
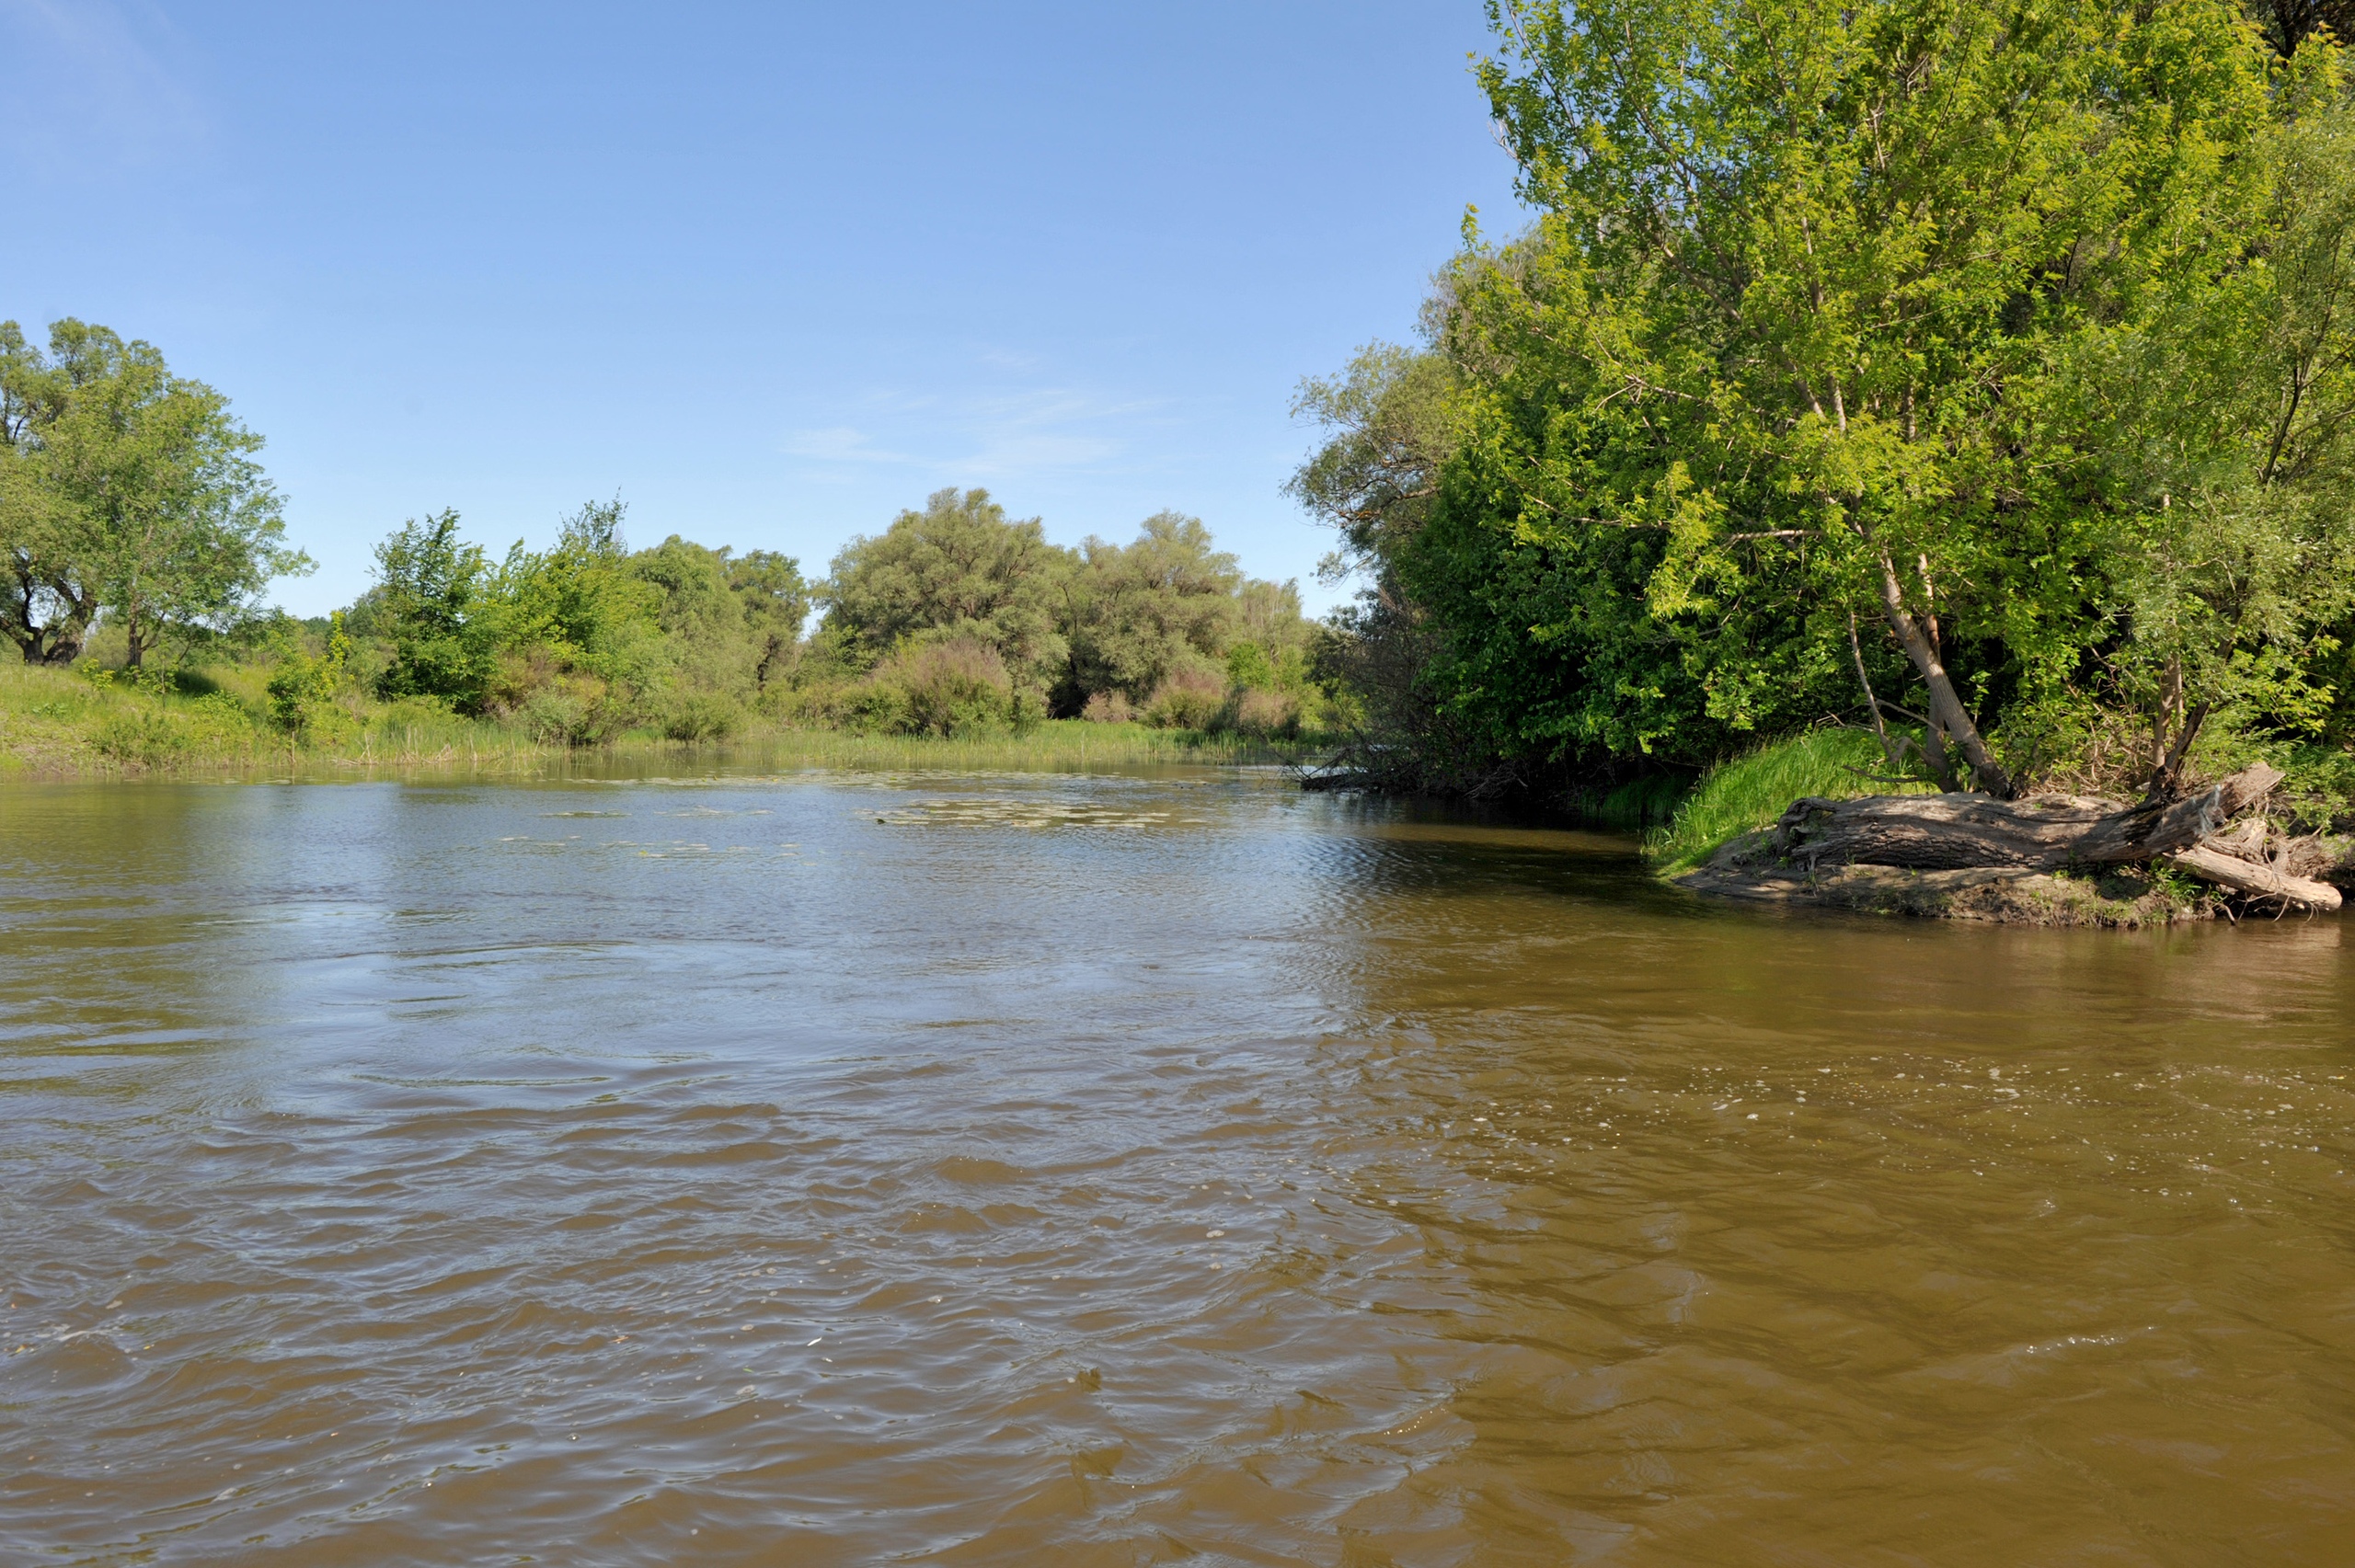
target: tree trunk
1947 711
1946 832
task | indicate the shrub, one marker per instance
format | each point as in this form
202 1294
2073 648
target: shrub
554 704
219 719
418 710
954 687
1265 715
701 715
145 738
1027 709
556 714
303 687
1188 699
877 707
1108 707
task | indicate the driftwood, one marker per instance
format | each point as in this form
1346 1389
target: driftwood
2256 878
1952 834
2043 832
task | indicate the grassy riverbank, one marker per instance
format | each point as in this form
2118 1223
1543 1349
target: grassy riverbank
57 723
1750 791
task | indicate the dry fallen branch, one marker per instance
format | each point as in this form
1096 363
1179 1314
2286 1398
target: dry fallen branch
2255 878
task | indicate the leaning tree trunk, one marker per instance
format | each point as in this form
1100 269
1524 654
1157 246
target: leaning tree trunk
1947 711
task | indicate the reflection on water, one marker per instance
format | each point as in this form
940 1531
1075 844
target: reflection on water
840 1169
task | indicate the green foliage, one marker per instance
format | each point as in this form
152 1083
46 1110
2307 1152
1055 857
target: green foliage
159 737
1189 699
580 603
774 601
1993 359
428 602
960 568
304 688
1139 615
1103 627
1247 666
953 686
699 717
127 490
581 641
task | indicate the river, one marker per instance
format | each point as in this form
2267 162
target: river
827 1169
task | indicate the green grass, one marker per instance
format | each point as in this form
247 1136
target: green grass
1749 792
56 722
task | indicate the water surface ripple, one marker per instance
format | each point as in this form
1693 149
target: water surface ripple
1030 1169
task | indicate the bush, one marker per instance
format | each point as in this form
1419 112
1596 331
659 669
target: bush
1027 709
955 687
701 715
1189 699
557 706
558 714
1265 715
1108 707
870 707
144 738
418 710
1247 666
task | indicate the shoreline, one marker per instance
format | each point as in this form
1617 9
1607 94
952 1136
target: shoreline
2040 860
1984 894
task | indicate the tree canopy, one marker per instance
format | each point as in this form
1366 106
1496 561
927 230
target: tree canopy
1979 371
125 489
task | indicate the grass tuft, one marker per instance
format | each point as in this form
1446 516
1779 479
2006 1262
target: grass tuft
1748 791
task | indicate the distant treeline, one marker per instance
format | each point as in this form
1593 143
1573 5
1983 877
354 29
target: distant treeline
956 619
135 518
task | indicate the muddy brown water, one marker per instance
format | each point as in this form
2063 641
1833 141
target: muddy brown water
1005 1169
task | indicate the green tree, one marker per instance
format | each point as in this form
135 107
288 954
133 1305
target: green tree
959 568
580 600
2227 411
1794 346
130 488
303 687
49 601
1135 616
428 604
776 602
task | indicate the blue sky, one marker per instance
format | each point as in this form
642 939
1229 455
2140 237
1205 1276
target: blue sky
771 273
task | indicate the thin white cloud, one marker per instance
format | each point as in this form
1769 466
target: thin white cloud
842 443
999 438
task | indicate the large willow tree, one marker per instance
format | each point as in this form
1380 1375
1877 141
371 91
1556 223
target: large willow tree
2001 350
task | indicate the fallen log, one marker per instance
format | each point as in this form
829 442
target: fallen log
1952 832
2255 878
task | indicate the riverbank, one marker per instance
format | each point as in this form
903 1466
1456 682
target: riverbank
59 724
1766 829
